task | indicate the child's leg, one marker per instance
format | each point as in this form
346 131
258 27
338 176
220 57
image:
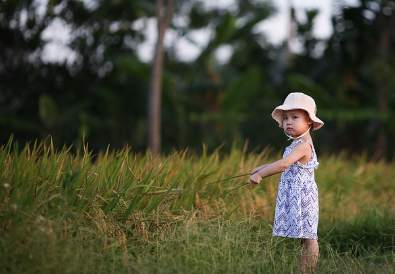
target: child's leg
309 255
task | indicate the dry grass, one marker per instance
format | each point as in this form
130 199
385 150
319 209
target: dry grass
117 202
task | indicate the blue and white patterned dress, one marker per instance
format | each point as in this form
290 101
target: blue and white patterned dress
296 214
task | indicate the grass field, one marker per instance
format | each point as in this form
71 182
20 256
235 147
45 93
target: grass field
126 212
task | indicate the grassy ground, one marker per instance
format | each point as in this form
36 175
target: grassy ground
121 212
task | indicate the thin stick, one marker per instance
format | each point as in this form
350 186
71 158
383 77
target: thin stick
234 177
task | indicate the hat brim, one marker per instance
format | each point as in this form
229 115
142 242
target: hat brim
278 113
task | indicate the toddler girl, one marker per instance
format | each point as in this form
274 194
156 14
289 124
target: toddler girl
296 214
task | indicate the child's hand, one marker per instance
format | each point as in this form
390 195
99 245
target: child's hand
254 179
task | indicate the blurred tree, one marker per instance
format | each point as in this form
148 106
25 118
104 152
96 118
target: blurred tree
385 25
164 14
111 79
362 59
21 28
98 94
216 94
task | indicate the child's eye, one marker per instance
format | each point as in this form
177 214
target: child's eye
284 118
294 117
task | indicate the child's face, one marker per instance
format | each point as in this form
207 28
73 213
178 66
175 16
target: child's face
296 122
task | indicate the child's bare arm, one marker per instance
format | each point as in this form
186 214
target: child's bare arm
300 151
255 170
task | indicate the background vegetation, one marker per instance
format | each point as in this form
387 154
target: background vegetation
122 212
101 91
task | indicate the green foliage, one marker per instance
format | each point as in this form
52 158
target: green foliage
100 95
47 110
125 212
372 232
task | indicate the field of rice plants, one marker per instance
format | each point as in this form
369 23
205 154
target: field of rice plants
186 212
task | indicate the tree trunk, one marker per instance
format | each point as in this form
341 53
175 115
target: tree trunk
385 34
164 15
291 35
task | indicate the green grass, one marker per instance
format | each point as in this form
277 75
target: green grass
125 212
194 247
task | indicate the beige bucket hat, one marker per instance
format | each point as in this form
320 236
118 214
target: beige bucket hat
298 100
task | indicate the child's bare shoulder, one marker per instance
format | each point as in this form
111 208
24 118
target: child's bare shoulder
304 146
